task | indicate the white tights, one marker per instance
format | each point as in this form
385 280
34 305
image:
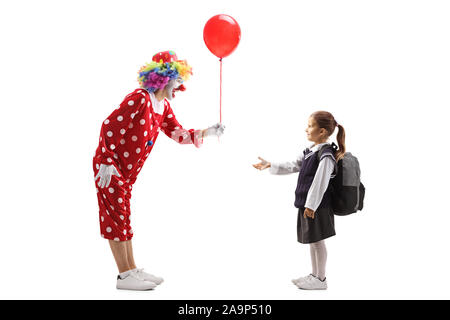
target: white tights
318 259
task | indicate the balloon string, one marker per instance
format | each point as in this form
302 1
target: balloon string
218 138
220 90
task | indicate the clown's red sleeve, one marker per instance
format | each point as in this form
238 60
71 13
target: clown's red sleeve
116 126
173 129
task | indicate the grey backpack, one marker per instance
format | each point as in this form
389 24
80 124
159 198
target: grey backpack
347 190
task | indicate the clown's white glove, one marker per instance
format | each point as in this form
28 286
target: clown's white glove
216 130
105 173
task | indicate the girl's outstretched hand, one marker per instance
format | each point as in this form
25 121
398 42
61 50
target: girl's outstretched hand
262 165
308 213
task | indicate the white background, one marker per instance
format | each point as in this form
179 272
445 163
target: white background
205 219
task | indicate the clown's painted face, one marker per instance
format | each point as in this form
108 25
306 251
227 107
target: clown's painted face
172 87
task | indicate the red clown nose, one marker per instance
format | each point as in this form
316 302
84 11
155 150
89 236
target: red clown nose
181 88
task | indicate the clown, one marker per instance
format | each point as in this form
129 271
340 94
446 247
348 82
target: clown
127 138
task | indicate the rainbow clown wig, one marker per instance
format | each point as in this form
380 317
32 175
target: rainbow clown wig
164 67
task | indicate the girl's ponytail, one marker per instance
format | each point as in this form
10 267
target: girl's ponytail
341 142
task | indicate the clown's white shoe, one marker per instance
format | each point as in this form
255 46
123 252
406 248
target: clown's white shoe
148 277
133 282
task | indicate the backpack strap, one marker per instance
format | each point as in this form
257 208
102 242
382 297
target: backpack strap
324 148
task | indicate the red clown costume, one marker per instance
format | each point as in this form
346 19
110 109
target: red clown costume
127 138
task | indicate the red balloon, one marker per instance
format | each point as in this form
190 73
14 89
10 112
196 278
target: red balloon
221 34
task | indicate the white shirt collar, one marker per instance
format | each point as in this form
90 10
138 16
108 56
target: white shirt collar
316 147
158 106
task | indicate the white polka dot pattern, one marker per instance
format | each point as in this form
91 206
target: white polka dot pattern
127 138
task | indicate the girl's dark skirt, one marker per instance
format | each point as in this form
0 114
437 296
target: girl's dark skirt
313 230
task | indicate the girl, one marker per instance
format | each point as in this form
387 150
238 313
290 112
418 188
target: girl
313 194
